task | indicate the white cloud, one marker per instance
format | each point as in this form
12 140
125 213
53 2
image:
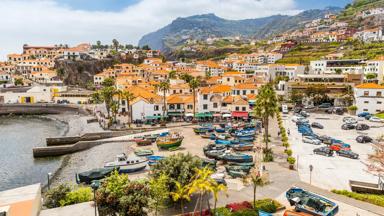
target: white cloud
42 22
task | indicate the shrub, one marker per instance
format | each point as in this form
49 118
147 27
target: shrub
234 207
83 194
370 198
352 108
268 155
223 212
55 195
246 212
291 160
267 205
289 152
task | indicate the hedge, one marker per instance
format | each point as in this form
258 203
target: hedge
369 198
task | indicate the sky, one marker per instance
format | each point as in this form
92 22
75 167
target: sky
48 22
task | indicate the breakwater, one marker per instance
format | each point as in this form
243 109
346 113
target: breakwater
39 109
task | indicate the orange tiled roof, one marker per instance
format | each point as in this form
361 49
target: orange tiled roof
370 86
245 86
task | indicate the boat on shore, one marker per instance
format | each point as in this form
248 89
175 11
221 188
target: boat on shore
220 130
214 154
143 152
242 147
154 159
313 204
245 169
209 136
127 164
250 164
94 174
171 141
211 163
236 174
214 147
236 157
144 142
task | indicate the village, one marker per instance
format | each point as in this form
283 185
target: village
320 136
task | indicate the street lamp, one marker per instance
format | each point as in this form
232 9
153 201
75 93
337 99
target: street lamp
49 175
95 185
310 173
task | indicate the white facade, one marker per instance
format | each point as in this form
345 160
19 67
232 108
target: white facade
326 67
376 67
142 108
370 98
37 94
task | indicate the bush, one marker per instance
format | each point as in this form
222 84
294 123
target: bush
234 207
369 198
83 194
55 195
291 160
352 108
223 212
289 152
267 205
246 212
268 155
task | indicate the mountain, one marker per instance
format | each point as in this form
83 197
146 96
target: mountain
206 25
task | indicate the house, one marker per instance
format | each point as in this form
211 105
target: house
36 94
351 66
209 68
21 201
179 105
210 98
45 76
369 35
371 12
244 89
369 97
375 66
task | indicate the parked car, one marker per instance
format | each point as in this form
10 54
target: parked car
297 109
309 107
338 110
302 120
325 139
349 120
304 114
311 140
349 154
329 110
323 151
363 139
348 127
375 119
340 146
363 114
362 127
317 125
325 105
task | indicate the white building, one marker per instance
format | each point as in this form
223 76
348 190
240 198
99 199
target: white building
350 66
369 97
142 109
36 94
375 66
375 34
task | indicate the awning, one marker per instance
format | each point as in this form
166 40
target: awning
152 117
240 114
188 114
175 114
227 115
203 115
216 115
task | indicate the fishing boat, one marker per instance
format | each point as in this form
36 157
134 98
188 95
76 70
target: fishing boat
214 154
223 142
143 142
220 130
143 152
214 147
242 147
94 174
151 137
223 136
209 136
245 169
250 164
246 139
245 133
154 159
236 174
236 157
172 140
211 163
313 204
202 130
127 164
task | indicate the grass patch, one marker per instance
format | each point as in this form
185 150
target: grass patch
380 115
369 198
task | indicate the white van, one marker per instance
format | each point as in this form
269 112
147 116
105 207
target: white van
284 108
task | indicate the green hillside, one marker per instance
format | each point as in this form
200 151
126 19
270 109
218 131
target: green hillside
357 6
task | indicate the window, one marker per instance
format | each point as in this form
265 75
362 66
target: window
378 94
365 110
252 91
214 105
205 97
366 102
379 102
244 92
243 109
228 79
237 108
178 106
366 93
172 106
123 102
156 107
189 106
205 106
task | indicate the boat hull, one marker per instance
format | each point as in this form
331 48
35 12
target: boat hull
128 168
168 145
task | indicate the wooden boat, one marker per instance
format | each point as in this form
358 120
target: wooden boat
214 154
208 136
154 159
242 147
143 152
249 164
94 174
127 164
246 139
214 147
143 142
220 130
201 130
171 141
313 204
245 169
223 142
236 157
236 174
211 163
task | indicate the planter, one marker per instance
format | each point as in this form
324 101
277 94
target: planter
291 167
352 112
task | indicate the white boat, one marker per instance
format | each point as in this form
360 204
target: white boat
128 164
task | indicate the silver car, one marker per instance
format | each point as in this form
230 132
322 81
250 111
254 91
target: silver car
311 140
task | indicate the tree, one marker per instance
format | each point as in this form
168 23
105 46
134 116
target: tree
338 71
370 76
256 181
216 188
265 107
159 192
181 193
164 87
128 96
118 195
106 95
108 82
19 81
114 109
98 44
115 44
186 77
296 96
146 47
203 184
172 74
194 84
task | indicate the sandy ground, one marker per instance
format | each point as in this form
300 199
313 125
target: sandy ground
332 172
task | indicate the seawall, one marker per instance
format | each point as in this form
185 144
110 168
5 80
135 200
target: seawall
39 109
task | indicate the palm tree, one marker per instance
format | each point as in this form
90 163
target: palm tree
172 74
115 44
216 188
106 94
265 107
98 44
193 84
128 96
164 87
181 193
202 183
256 180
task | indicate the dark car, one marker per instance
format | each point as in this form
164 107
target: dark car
362 127
304 114
297 109
363 114
325 105
323 151
348 154
325 139
348 127
363 139
338 110
317 125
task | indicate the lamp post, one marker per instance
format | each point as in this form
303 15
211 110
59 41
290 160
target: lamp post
310 174
95 185
49 181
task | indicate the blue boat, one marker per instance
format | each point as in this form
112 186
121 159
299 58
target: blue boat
236 157
313 204
163 134
223 142
153 159
246 139
220 130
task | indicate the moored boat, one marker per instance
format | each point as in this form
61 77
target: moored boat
313 204
143 142
236 157
214 154
173 140
250 164
94 174
220 130
245 169
127 164
154 159
143 152
242 147
214 147
246 138
236 174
